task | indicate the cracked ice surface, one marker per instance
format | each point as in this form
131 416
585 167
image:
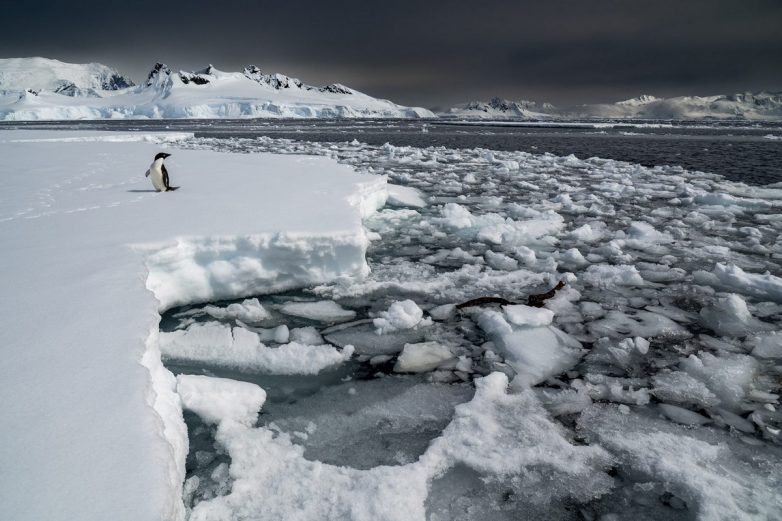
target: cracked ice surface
660 356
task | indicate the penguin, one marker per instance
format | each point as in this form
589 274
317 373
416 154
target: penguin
159 175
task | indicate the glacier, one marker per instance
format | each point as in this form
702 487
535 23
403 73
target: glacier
42 89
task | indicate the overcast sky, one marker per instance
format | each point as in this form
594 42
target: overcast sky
432 53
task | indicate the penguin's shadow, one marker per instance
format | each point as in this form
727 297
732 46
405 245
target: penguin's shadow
141 191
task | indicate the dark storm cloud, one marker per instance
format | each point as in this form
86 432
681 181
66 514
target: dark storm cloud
428 53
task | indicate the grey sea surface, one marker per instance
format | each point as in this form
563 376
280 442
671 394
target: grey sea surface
745 151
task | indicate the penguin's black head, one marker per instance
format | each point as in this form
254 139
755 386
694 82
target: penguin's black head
162 155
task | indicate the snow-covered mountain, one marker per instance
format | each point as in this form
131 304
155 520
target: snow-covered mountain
41 89
749 106
70 79
498 108
761 105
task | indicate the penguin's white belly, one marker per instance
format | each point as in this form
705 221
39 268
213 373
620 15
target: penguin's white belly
156 176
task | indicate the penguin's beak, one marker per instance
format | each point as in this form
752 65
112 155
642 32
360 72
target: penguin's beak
168 155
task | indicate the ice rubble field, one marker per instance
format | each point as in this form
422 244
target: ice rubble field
647 388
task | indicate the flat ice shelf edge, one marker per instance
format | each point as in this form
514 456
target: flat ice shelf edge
91 248
201 269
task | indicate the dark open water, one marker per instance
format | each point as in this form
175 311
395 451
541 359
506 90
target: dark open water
740 151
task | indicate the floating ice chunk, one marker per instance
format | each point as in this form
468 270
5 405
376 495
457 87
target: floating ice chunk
660 272
456 255
674 313
728 376
405 196
682 415
729 277
590 232
496 229
768 345
380 359
457 216
625 354
641 234
573 257
730 345
730 316
727 200
522 315
591 310
606 276
250 310
404 314
279 334
498 261
307 336
564 401
510 234
422 357
443 312
220 346
638 323
535 353
322 311
621 390
736 421
219 399
680 387
282 334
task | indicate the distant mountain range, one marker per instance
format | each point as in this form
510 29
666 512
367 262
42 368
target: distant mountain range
44 89
747 106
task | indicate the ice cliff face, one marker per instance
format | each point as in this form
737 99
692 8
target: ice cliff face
41 89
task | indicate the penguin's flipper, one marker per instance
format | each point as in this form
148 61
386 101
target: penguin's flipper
165 176
147 174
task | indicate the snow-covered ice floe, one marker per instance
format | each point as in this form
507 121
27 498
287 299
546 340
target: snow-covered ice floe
92 424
